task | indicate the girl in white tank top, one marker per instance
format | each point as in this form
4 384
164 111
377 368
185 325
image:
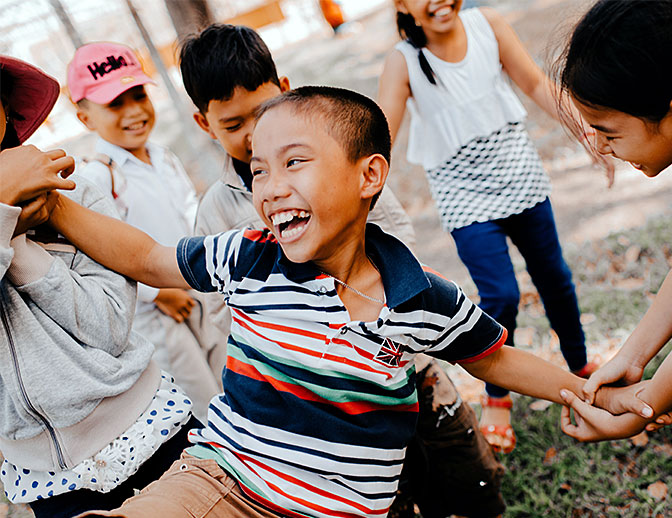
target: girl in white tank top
467 131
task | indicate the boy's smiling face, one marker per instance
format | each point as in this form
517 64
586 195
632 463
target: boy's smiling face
126 121
231 121
314 200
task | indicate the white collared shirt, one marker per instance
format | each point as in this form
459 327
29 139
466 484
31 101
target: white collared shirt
160 197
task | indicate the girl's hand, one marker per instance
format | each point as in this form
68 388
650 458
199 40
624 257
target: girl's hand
26 172
35 212
595 424
175 303
618 369
661 420
624 400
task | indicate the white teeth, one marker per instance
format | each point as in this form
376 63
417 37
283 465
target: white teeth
444 11
135 126
293 231
284 217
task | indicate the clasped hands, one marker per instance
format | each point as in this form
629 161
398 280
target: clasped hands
608 412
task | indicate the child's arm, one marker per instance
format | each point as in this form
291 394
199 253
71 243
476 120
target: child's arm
520 66
91 303
522 69
118 246
394 89
650 335
524 373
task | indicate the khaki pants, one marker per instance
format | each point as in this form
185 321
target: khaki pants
191 488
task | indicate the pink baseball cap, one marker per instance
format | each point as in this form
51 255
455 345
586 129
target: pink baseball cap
100 72
32 97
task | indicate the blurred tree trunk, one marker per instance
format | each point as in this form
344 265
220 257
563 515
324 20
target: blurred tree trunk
189 16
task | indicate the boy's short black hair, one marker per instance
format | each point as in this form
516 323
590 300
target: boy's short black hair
221 58
352 119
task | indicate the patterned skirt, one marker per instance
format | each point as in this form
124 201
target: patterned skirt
489 178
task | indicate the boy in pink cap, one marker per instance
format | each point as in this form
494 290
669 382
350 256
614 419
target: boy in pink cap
152 192
86 417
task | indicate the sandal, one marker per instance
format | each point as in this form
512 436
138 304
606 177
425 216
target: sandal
499 433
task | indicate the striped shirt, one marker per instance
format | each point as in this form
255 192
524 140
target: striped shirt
317 409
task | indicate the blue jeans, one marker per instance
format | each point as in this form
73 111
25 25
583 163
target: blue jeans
485 252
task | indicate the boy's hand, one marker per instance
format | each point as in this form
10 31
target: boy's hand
175 303
622 400
618 369
595 424
26 172
35 212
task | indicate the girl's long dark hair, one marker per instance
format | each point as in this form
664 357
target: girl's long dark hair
619 57
414 34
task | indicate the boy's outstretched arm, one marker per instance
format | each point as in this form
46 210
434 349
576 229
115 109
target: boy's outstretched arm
117 245
524 373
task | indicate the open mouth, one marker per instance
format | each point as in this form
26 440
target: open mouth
290 223
442 12
136 126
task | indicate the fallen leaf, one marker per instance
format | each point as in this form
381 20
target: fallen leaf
565 486
641 439
550 455
657 490
632 254
629 284
524 336
587 318
540 405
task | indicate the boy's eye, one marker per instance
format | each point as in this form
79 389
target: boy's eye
293 161
233 128
258 171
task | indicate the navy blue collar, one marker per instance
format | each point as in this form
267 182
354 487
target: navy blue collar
402 274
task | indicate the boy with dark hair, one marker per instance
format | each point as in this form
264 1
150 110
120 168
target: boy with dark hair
319 397
228 71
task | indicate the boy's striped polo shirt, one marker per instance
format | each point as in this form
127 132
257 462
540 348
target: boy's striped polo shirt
317 409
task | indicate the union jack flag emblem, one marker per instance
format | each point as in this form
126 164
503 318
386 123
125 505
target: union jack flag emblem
390 353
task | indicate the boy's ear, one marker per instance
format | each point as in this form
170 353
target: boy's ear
84 118
374 175
284 84
204 124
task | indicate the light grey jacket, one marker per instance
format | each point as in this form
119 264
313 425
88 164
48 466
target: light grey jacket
73 376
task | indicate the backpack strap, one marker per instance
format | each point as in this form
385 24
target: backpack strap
117 179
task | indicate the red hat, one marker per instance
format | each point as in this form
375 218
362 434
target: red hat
100 72
33 95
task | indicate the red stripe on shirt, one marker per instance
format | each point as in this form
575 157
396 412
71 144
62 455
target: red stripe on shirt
489 350
351 407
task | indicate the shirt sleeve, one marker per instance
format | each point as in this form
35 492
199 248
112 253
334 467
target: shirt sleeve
463 333
207 263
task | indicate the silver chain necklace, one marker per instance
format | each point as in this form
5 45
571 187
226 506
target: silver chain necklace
364 295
